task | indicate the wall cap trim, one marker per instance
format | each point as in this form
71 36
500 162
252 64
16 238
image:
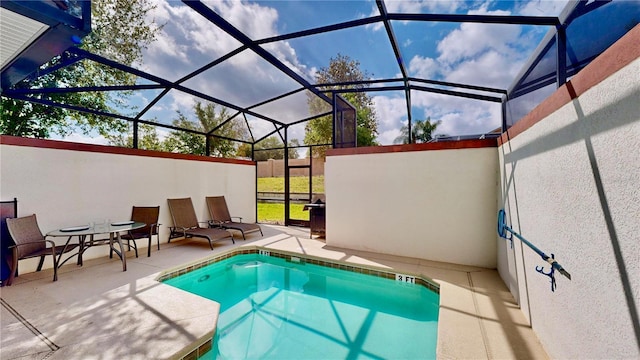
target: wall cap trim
442 145
73 146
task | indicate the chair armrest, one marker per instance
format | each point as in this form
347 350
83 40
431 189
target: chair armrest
51 242
237 217
180 228
215 223
177 230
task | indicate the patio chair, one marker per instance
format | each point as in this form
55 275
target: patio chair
8 209
30 243
148 215
220 217
185 223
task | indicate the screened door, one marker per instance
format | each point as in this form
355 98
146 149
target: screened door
299 194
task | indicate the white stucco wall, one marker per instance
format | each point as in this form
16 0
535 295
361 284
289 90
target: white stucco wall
437 205
67 188
571 186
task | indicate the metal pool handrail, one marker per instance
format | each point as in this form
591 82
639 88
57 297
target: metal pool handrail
502 231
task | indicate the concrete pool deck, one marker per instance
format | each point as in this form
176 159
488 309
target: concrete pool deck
99 312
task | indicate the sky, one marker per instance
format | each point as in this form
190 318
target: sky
477 54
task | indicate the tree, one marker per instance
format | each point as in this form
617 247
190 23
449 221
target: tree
148 138
21 118
121 30
320 130
269 148
421 131
208 118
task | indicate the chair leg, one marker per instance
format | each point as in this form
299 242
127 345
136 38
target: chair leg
149 247
42 262
171 233
16 272
55 265
12 259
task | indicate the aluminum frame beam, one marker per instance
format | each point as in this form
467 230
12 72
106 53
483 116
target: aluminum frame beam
223 24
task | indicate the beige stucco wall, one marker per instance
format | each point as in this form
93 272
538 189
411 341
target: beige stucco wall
437 205
68 188
571 186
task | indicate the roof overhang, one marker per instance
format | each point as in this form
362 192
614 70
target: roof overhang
33 32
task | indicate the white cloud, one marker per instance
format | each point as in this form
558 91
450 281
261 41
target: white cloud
481 54
491 69
189 41
181 101
460 116
256 21
415 7
471 120
85 139
423 67
186 42
390 111
296 132
472 39
387 137
289 109
477 54
259 22
542 7
163 133
287 55
259 127
421 6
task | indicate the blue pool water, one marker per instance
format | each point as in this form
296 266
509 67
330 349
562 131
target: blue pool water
275 309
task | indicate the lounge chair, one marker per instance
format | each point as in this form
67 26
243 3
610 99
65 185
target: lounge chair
220 217
185 223
148 215
30 243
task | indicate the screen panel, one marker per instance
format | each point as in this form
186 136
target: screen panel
344 123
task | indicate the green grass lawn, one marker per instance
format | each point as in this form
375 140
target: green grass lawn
298 184
273 213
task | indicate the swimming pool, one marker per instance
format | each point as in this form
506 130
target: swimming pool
273 308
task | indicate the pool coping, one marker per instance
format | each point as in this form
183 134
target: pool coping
202 347
309 259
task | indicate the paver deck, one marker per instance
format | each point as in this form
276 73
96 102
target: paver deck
99 312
